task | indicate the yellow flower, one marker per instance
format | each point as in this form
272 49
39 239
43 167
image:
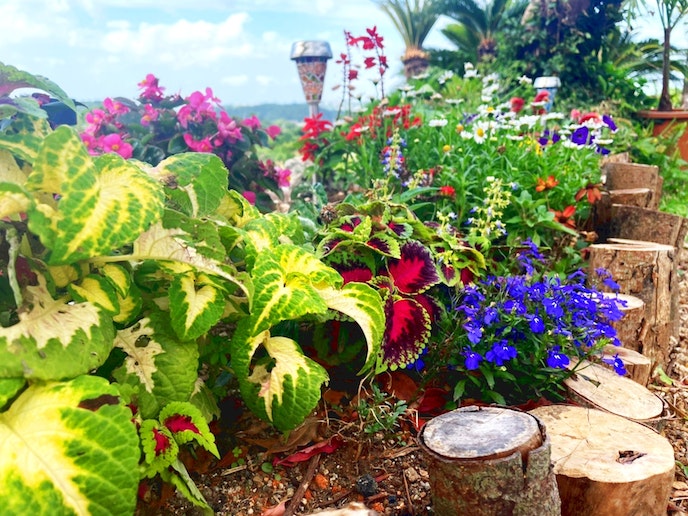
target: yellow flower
459 128
446 148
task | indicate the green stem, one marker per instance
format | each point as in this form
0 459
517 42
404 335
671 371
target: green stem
13 241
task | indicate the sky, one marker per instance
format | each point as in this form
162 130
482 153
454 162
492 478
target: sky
240 48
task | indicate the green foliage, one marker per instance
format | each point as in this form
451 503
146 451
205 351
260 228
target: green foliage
380 413
115 276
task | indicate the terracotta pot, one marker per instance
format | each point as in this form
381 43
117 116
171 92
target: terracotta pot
664 119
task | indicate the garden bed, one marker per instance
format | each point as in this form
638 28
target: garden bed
383 469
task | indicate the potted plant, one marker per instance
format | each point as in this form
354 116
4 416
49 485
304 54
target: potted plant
671 13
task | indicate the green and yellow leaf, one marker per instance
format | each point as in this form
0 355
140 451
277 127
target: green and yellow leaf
103 203
68 448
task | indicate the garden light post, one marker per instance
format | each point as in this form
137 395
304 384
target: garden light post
550 84
311 62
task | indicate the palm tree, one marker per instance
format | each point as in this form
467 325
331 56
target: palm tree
478 24
413 19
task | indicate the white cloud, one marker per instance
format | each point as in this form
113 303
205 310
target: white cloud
234 80
265 80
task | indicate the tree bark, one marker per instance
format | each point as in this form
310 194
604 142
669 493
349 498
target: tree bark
631 328
641 197
621 176
606 465
648 271
637 223
489 461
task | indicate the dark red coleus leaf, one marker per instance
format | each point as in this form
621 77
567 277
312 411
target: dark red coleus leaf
433 401
351 223
431 305
400 229
379 244
179 423
415 271
361 274
162 442
406 332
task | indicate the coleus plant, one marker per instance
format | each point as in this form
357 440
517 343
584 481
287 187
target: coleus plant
415 266
114 275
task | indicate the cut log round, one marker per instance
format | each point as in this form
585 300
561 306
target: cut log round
630 328
598 387
637 365
646 270
621 176
607 465
632 197
635 223
489 461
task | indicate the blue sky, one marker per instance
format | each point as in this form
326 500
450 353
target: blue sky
239 48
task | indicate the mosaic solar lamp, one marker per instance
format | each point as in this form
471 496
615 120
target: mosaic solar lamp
550 84
311 62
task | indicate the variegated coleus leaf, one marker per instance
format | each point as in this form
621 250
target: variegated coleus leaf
187 424
407 332
14 201
363 304
196 304
11 78
284 386
55 339
159 367
195 182
163 244
286 280
68 448
160 449
9 388
102 203
415 271
9 169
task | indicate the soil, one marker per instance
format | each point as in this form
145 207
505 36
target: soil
345 454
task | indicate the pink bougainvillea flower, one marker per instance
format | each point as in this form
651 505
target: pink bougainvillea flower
151 90
228 129
249 196
203 145
283 177
95 118
115 143
252 122
274 131
150 114
115 107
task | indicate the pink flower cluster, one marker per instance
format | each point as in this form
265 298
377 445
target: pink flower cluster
97 142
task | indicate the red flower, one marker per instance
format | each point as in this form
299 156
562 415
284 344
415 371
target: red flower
369 62
517 104
542 96
447 191
565 217
591 191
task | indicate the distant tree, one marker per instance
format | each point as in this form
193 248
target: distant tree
413 19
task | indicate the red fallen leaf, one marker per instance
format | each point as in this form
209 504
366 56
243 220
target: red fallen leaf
329 446
398 384
277 510
433 401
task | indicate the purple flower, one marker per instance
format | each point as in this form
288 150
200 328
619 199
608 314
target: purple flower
580 136
556 359
501 352
473 359
617 363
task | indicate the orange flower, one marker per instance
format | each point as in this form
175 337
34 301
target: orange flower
565 217
546 184
592 191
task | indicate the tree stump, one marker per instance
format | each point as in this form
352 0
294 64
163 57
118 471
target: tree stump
635 223
597 387
646 270
489 461
641 197
621 176
631 328
637 364
606 465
